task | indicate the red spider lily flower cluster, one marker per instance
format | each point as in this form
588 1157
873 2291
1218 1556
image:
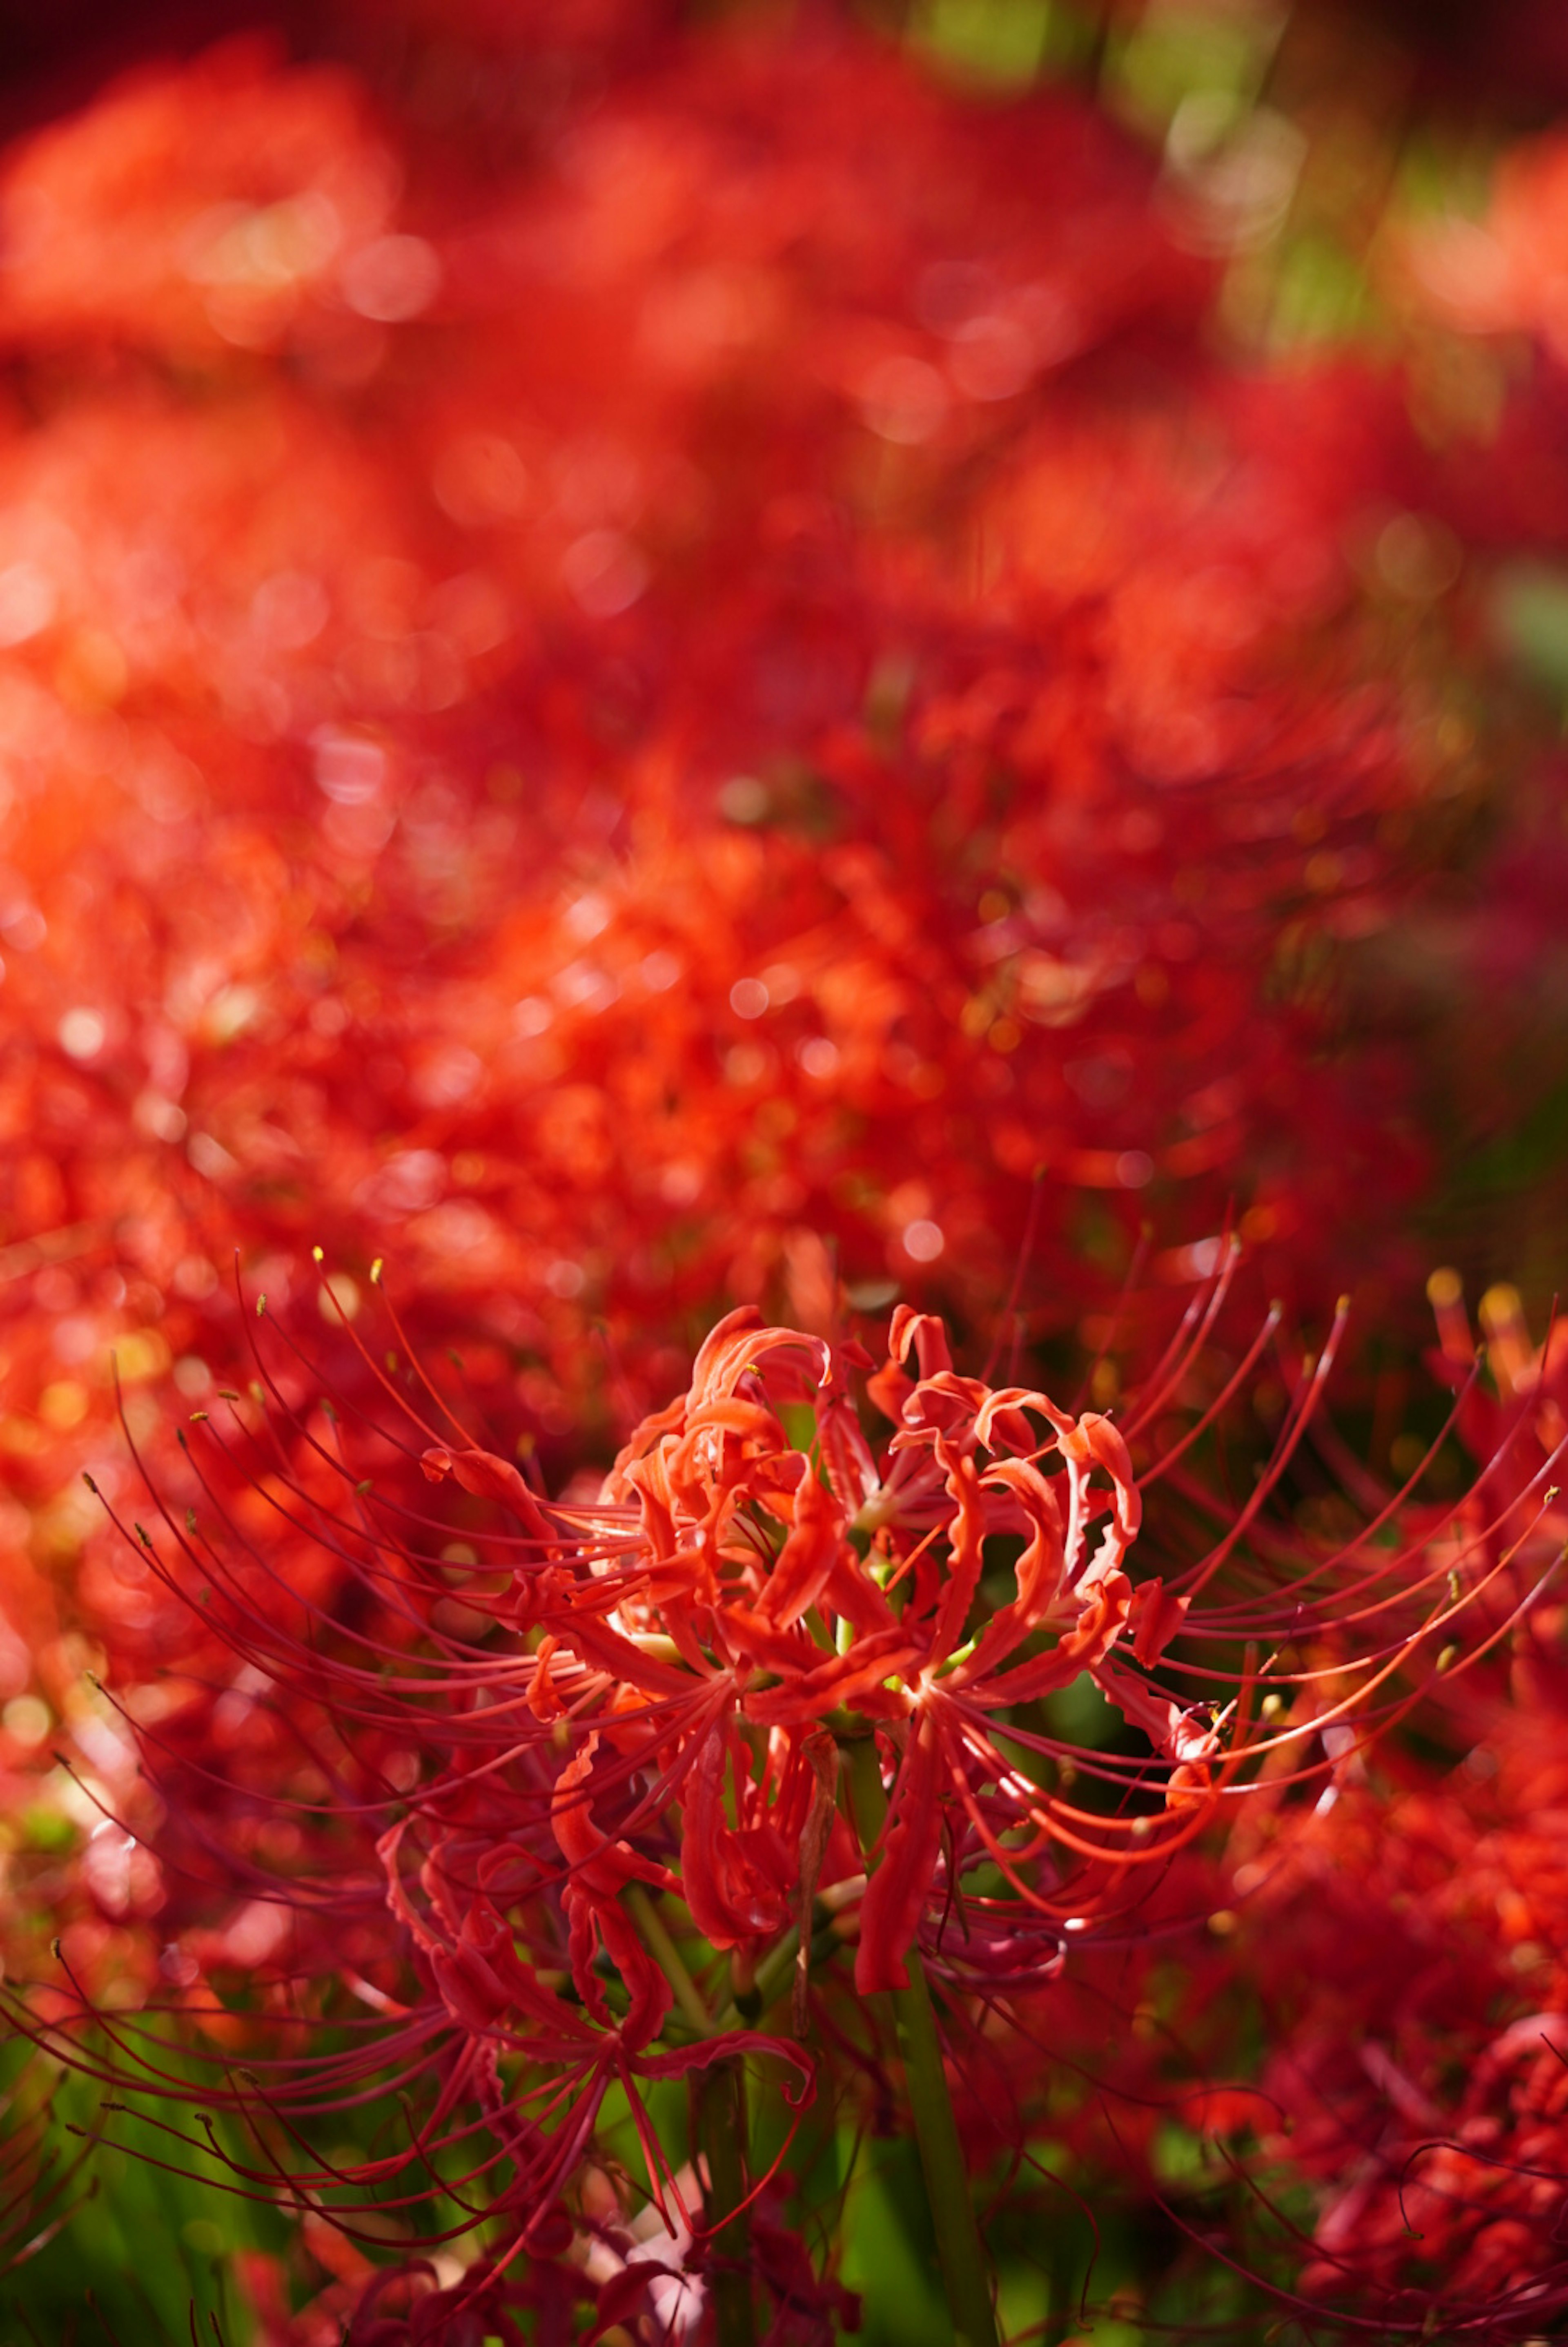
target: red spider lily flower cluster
1505 491
1414 1935
901 752
1489 283
719 697
660 1728
1417 2086
1496 276
861 719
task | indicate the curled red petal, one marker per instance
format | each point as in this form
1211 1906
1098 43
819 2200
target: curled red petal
897 1890
488 1478
730 1896
808 1557
1156 1616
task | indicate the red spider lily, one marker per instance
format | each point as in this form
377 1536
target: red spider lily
1492 280
1407 1951
866 750
480 2303
337 897
1496 276
677 1666
350 594
1409 1947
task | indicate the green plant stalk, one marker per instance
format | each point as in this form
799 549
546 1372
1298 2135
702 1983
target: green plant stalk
718 2114
718 2131
960 2250
773 1974
772 1979
661 1947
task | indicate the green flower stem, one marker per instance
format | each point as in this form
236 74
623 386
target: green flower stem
960 2250
774 1972
718 2129
772 1979
668 1956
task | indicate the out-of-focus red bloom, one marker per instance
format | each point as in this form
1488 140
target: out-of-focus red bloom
632 833
220 208
638 837
1408 1940
1496 281
1503 275
780 744
1409 1948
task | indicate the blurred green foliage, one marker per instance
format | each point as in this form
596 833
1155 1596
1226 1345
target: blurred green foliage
144 2246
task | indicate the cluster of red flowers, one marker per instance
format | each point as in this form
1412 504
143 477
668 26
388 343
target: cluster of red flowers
673 675
1414 1942
632 834
686 1662
908 705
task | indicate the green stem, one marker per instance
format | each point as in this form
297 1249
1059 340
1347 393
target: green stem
668 1956
719 2115
718 2134
773 1973
960 2250
772 1979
